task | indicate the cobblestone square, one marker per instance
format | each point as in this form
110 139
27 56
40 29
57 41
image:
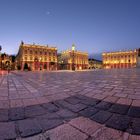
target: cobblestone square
87 105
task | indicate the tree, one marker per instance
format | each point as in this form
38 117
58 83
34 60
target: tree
13 58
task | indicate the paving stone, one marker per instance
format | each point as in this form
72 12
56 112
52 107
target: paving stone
67 114
37 137
47 124
53 115
120 109
35 110
85 125
4 104
104 105
7 131
111 99
82 97
135 126
72 100
134 111
28 127
124 101
119 122
105 133
16 114
136 103
3 115
50 107
16 103
101 116
87 100
65 132
91 101
99 96
134 137
29 101
88 112
75 108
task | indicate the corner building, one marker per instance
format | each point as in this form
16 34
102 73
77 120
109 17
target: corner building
120 59
37 57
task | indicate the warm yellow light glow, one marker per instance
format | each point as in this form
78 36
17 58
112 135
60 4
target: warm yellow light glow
122 61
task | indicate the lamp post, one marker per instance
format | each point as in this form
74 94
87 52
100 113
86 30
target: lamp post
73 65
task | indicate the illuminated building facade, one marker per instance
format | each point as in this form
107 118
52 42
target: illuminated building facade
121 59
73 60
36 57
5 61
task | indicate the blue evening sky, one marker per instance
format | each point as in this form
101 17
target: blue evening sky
94 26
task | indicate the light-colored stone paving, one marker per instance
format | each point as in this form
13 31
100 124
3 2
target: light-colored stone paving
24 89
28 88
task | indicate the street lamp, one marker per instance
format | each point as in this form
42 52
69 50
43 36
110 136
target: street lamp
73 65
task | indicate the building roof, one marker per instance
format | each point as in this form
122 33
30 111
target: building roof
37 46
119 52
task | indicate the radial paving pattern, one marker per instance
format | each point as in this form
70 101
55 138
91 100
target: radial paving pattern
88 105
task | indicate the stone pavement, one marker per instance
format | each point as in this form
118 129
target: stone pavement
92 105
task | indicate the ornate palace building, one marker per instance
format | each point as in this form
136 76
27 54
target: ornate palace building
73 60
121 59
36 57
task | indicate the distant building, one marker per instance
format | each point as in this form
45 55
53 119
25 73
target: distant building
121 59
5 61
36 57
73 60
95 64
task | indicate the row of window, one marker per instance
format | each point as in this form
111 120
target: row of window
123 56
124 59
40 60
40 52
121 61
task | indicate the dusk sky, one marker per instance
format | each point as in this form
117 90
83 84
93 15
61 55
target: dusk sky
94 26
